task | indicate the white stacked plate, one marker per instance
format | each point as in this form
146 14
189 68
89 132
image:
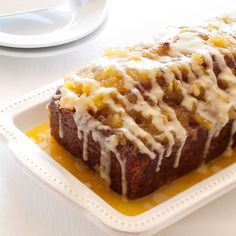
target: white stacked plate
66 23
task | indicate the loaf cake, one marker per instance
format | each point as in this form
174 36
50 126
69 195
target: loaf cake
145 115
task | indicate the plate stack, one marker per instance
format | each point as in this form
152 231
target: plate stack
40 24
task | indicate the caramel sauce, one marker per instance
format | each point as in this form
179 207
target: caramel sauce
41 136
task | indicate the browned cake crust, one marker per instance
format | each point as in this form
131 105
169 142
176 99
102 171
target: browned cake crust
141 175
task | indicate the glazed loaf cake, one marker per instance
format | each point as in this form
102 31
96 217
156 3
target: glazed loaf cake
145 115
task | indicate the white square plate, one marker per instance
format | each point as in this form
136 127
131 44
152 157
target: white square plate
30 110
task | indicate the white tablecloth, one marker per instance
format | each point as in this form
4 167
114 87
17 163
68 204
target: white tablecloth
30 210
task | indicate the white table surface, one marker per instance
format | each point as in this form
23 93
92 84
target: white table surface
30 210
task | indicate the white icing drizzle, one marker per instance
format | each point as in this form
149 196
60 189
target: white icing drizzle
85 145
82 125
209 109
195 50
132 131
60 128
105 162
79 134
112 142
